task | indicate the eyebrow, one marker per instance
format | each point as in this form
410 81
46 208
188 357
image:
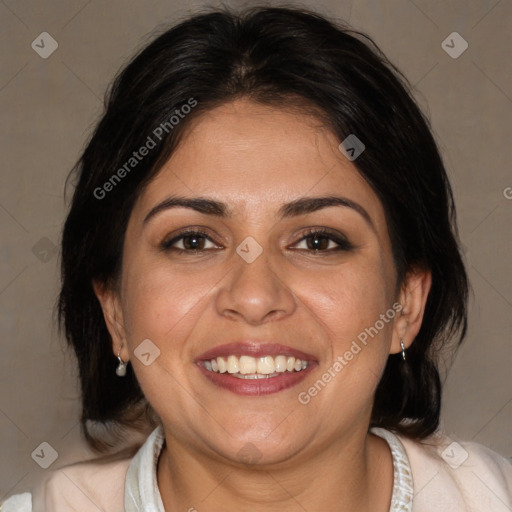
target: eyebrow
294 208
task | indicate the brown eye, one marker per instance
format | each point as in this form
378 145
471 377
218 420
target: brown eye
321 240
191 241
194 242
317 243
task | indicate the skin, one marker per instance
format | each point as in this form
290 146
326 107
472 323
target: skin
312 457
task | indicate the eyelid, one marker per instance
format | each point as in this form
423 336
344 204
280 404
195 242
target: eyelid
168 242
338 238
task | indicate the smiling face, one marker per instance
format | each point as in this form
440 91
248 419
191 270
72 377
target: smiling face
259 172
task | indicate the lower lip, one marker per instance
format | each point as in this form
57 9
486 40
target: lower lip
256 387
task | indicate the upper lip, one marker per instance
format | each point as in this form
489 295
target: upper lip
254 349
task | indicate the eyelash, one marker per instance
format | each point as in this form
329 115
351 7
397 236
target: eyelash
343 243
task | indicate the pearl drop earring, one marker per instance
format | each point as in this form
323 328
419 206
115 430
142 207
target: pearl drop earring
121 367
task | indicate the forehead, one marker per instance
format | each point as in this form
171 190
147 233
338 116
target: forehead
255 158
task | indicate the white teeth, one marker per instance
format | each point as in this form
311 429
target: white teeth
280 362
247 365
255 368
255 376
266 365
233 366
222 365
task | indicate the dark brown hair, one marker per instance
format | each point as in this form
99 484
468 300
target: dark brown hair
270 55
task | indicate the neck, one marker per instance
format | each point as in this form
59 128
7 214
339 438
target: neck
351 474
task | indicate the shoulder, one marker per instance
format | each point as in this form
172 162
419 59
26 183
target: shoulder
460 475
85 486
17 503
92 485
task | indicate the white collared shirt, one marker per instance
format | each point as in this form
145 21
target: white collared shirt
142 493
434 474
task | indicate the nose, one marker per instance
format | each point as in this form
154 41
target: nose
254 292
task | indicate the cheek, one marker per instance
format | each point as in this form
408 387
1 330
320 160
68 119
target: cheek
163 306
349 299
349 304
160 301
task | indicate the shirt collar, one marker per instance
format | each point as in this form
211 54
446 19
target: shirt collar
142 493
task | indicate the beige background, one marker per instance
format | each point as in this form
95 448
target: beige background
49 107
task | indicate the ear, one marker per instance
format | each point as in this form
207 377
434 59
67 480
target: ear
113 315
413 298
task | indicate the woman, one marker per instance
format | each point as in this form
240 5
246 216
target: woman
260 266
